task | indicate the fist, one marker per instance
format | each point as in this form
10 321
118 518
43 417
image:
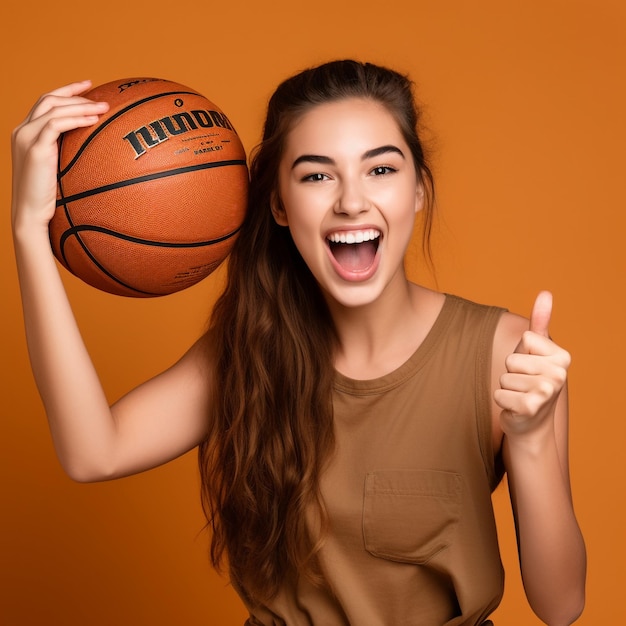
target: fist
535 374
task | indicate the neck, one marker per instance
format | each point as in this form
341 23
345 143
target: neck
376 338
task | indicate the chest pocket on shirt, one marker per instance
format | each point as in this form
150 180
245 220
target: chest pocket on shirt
410 515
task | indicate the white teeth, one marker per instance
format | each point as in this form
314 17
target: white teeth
355 236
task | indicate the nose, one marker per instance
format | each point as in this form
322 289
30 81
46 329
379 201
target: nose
352 198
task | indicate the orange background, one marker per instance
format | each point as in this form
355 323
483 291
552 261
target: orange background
524 103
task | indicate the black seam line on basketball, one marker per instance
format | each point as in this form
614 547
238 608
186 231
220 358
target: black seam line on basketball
147 242
66 209
68 217
103 269
114 117
148 177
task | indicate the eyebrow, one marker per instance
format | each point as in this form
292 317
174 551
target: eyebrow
369 154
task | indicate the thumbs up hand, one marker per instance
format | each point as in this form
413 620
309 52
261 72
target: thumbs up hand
535 374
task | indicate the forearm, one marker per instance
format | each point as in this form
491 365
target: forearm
80 421
551 547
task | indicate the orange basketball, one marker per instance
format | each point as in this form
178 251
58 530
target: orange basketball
149 199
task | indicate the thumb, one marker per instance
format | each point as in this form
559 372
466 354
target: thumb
541 313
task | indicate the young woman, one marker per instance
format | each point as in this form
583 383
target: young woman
351 424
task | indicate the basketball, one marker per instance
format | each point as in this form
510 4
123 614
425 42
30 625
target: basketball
150 199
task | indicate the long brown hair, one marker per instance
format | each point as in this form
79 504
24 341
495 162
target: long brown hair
271 341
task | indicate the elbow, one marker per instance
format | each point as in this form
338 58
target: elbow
579 611
87 472
578 608
565 611
574 611
86 462
84 477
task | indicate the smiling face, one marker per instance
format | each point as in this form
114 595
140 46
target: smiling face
348 191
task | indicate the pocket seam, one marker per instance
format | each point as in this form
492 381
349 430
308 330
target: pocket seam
450 492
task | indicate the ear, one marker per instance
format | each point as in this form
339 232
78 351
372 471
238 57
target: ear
419 198
278 211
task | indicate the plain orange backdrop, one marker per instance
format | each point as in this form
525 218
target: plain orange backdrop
524 107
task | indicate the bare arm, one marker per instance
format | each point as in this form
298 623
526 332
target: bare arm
531 416
156 422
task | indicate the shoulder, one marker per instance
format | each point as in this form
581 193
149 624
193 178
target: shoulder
507 335
498 333
494 324
475 319
425 299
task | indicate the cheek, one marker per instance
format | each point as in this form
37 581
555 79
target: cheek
401 205
299 219
305 207
401 217
304 232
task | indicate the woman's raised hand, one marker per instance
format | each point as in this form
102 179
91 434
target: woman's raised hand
35 151
536 373
152 424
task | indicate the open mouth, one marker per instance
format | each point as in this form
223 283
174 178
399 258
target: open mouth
354 251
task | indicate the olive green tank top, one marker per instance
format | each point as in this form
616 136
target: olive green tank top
412 538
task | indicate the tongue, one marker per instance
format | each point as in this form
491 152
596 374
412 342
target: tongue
354 257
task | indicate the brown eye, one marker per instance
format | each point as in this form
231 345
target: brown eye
381 170
315 178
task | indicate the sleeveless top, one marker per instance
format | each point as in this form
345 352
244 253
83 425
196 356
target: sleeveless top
412 537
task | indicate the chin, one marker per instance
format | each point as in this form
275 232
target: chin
353 296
